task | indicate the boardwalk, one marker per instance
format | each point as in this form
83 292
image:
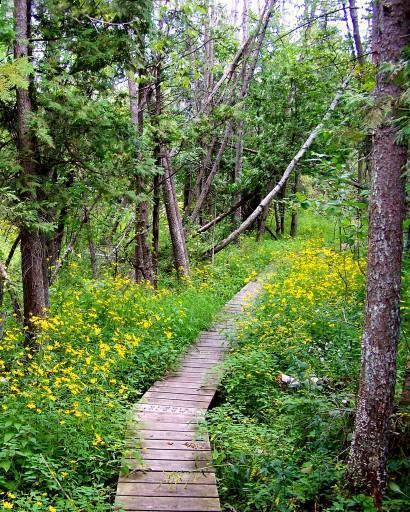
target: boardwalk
169 460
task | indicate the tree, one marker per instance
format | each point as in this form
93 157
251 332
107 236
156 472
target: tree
367 460
33 270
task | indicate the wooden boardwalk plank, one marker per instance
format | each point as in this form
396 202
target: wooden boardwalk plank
169 463
170 503
186 490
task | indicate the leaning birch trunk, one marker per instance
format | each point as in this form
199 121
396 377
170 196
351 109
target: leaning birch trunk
267 200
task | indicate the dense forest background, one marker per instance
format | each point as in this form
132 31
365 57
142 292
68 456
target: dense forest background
154 155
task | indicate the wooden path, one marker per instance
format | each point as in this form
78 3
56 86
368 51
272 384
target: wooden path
169 460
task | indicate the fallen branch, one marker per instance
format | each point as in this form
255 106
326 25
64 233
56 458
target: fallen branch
267 200
222 216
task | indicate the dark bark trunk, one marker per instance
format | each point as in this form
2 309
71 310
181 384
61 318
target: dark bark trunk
262 224
32 269
349 34
90 242
367 460
143 268
174 218
215 166
282 208
277 218
34 279
155 226
295 215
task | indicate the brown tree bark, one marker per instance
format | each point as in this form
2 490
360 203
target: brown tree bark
35 292
295 216
174 218
176 229
215 166
349 34
143 267
366 470
90 242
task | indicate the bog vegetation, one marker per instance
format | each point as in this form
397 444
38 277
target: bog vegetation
154 157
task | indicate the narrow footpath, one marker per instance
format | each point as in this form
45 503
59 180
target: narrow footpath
170 461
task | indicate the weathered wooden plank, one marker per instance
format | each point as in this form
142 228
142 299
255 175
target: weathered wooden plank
177 402
161 444
179 389
199 365
165 454
202 360
167 412
154 425
159 490
171 503
168 393
173 435
169 478
175 382
170 465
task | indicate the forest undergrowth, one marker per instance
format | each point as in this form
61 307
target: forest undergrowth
278 446
102 345
283 424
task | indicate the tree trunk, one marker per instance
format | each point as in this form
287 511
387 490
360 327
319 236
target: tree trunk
90 241
356 31
262 224
32 251
367 460
176 229
143 269
349 34
282 208
215 166
277 218
295 215
155 226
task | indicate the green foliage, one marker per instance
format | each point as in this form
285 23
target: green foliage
13 74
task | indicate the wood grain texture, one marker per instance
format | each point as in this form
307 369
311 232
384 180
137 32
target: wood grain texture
168 459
